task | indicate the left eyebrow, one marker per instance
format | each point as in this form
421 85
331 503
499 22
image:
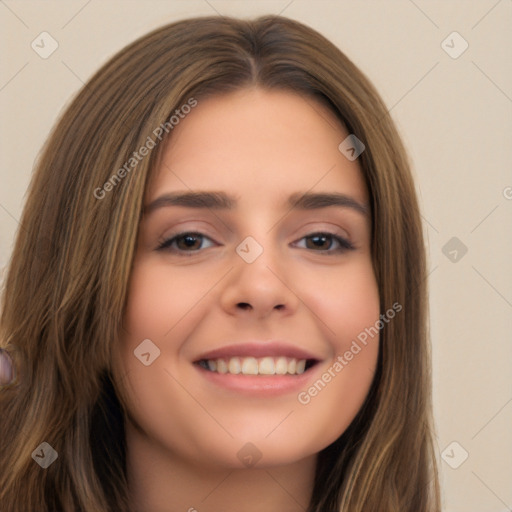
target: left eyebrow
223 201
315 201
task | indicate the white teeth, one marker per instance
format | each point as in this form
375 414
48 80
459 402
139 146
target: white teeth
254 366
222 367
281 366
250 366
266 366
234 365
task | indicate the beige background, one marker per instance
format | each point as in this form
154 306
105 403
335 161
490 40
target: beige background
455 115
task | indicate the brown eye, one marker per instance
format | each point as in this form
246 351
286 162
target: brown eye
186 242
319 241
325 242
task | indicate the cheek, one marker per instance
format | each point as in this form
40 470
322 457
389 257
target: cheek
161 307
158 302
348 307
159 299
346 301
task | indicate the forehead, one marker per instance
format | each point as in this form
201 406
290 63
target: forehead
258 144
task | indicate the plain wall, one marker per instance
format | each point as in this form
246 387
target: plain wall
455 116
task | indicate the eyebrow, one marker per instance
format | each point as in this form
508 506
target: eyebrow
223 201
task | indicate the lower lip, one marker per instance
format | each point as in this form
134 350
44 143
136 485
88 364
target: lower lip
262 385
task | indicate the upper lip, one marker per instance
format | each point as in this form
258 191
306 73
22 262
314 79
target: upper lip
258 349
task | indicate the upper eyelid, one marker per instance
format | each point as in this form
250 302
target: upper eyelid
333 230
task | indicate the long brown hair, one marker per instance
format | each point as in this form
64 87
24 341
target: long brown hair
64 296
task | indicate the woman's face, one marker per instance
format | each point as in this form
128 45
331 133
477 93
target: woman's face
251 281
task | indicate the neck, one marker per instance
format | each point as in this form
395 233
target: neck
160 481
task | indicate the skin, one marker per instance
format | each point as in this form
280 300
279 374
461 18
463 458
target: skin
183 432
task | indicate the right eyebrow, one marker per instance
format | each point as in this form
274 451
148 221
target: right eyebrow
212 200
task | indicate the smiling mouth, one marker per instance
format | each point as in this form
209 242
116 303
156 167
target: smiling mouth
257 366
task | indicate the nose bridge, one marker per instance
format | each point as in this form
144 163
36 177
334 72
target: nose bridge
259 261
250 250
258 281
256 226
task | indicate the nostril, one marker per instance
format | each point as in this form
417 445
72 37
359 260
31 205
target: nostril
244 305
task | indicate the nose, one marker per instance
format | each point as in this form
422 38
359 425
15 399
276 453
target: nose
259 288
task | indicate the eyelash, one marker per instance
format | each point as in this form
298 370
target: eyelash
166 245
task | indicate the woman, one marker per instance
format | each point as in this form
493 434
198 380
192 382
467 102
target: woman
217 296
